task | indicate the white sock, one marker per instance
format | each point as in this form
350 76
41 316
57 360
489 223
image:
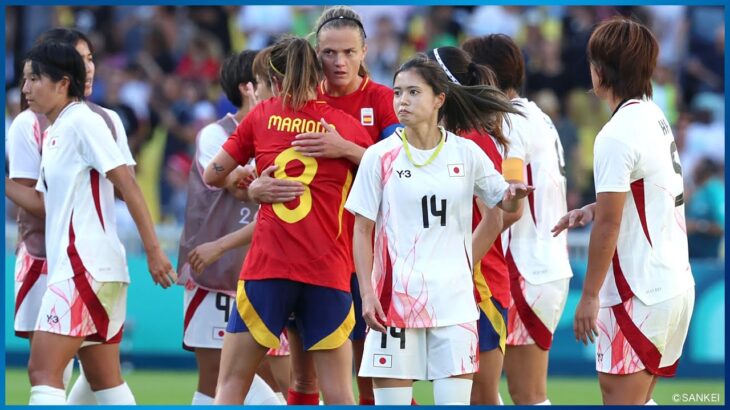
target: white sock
651 402
81 392
116 395
45 395
67 372
544 403
281 397
452 391
200 399
260 393
499 397
394 396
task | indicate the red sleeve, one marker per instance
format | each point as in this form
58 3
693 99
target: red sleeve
239 145
353 131
487 144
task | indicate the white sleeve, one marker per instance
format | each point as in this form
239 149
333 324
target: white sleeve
489 185
613 161
122 140
24 151
367 190
517 136
209 142
97 145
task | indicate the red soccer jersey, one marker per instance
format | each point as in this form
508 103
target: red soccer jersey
493 265
371 105
304 240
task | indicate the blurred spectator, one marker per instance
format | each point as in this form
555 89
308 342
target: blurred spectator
706 210
262 24
669 25
383 50
201 61
177 169
666 93
214 21
705 68
495 19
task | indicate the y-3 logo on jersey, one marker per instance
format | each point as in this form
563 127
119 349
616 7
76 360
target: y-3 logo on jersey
405 173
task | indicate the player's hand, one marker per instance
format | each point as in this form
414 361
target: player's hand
586 314
204 255
266 189
160 268
242 177
372 312
573 219
328 144
517 190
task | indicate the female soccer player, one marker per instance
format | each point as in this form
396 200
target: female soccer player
210 214
416 188
638 293
491 277
87 272
311 278
24 154
538 262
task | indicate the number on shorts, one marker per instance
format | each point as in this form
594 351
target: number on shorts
223 302
305 201
245 213
395 333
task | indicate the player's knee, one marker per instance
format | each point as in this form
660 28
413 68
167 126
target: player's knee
40 375
305 382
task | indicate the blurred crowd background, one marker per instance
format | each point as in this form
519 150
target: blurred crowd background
157 66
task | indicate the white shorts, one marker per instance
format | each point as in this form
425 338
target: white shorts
30 285
535 311
283 349
205 316
633 336
421 354
83 307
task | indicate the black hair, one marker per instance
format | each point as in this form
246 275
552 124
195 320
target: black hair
56 61
236 70
65 35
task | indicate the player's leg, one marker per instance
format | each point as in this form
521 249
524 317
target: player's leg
49 355
249 334
625 389
208 361
492 339
102 368
280 367
453 358
526 370
325 318
303 388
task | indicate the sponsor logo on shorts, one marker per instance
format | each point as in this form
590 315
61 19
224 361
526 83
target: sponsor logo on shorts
52 319
218 333
382 360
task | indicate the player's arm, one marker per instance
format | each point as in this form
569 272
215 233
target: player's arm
372 312
487 231
604 236
205 254
22 193
219 168
513 196
158 263
328 144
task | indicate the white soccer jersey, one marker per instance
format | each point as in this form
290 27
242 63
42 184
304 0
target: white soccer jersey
539 257
78 151
121 137
210 140
422 268
635 153
25 137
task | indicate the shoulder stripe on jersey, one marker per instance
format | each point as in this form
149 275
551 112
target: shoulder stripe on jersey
105 116
637 191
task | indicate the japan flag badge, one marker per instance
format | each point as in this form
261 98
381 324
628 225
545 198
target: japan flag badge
456 170
382 360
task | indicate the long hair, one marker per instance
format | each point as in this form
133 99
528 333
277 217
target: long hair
458 66
466 107
294 61
341 17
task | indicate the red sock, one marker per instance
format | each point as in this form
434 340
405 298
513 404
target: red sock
294 398
413 402
366 402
